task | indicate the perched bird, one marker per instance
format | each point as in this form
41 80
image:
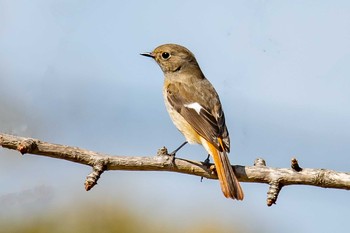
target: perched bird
195 109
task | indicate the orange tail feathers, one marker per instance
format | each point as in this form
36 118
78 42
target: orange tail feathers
228 180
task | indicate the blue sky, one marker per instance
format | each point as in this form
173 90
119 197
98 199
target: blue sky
70 73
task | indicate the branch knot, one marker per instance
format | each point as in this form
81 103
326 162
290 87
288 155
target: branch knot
259 162
27 146
320 177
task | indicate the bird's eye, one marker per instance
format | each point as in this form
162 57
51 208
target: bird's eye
165 55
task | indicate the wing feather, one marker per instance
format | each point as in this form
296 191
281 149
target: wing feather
207 121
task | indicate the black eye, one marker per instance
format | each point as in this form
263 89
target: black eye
165 55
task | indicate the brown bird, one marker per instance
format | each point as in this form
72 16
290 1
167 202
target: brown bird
195 109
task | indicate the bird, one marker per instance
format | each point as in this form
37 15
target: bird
195 109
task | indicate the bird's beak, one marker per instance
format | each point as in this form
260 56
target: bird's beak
147 55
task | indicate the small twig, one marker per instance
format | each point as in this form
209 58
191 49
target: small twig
272 195
295 165
92 178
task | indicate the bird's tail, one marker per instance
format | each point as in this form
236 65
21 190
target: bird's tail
228 180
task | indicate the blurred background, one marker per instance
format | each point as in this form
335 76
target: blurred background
71 73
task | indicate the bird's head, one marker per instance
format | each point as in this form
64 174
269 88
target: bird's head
172 57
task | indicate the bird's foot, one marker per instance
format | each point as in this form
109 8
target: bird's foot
206 163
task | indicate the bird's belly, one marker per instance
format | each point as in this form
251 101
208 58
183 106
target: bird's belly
182 125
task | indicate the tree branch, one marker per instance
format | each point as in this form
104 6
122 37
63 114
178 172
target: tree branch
259 173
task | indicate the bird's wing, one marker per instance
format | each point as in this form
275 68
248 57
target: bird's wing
202 110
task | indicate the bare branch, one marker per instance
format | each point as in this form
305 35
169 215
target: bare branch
259 173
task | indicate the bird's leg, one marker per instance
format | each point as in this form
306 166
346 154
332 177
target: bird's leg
206 163
177 149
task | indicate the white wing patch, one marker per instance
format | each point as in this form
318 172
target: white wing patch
196 106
